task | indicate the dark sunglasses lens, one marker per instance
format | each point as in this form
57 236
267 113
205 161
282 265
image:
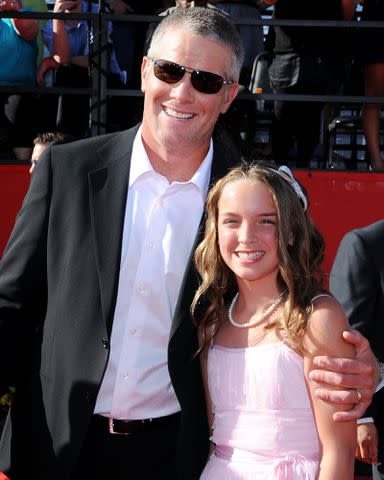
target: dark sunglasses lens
206 82
168 72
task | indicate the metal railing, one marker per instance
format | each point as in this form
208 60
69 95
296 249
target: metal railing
98 90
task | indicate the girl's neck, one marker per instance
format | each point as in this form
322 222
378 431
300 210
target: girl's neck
256 295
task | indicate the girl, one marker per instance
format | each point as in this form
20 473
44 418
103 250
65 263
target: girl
261 254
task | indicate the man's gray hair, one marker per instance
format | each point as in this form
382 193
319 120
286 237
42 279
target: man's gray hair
206 22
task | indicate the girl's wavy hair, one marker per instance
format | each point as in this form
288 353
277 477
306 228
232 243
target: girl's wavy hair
300 251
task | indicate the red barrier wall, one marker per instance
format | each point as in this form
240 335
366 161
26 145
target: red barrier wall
339 201
14 182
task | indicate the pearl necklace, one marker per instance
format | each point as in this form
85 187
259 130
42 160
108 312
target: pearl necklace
253 323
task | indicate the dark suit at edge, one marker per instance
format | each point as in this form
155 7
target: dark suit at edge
357 281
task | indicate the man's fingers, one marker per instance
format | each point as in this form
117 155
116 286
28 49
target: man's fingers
341 365
340 396
364 452
372 457
357 454
362 382
368 454
343 397
355 413
356 338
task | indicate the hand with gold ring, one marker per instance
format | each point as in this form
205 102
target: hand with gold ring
356 379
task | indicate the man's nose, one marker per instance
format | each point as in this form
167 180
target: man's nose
183 90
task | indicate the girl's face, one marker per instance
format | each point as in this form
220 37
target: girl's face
247 221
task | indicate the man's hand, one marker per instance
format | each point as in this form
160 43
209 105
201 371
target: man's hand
367 443
47 64
356 378
66 6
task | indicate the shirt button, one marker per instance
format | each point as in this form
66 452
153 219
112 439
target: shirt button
151 245
141 289
133 331
125 374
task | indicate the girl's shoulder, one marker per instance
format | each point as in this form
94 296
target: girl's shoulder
325 327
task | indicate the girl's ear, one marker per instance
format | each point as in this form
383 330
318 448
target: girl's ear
291 240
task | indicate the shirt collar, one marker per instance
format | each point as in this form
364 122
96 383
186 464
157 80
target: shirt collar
140 165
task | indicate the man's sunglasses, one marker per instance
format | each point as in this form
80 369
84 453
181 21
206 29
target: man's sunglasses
204 82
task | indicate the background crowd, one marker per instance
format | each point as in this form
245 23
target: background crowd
309 60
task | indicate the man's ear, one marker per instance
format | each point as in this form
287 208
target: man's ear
230 95
145 64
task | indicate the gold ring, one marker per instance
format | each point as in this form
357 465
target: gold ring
358 393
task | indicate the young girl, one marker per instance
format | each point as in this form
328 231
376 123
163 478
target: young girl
267 317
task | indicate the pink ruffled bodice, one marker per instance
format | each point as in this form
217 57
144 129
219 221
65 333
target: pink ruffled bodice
264 426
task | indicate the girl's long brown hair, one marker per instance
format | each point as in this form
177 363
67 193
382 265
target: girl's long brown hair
300 251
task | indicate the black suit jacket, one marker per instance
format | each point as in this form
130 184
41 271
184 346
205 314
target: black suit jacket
58 287
357 281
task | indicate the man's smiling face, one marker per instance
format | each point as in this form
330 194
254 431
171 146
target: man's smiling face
176 116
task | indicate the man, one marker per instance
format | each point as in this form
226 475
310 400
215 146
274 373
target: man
103 277
44 140
357 281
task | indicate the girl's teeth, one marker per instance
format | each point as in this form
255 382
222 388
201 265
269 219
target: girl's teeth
250 255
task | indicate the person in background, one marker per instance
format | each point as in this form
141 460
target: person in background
48 139
18 54
134 35
38 6
357 281
252 36
67 46
306 60
97 280
372 57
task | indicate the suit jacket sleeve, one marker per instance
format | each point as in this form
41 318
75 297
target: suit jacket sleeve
23 277
354 282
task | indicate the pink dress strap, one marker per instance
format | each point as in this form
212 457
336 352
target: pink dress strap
320 295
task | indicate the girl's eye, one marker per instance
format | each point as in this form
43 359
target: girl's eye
267 221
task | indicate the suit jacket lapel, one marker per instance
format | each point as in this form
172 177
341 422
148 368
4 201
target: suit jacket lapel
225 157
108 188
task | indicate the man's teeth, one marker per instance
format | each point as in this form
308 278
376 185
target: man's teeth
250 255
175 114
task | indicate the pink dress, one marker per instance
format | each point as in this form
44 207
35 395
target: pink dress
264 428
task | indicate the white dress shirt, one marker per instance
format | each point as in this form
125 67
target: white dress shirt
160 225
